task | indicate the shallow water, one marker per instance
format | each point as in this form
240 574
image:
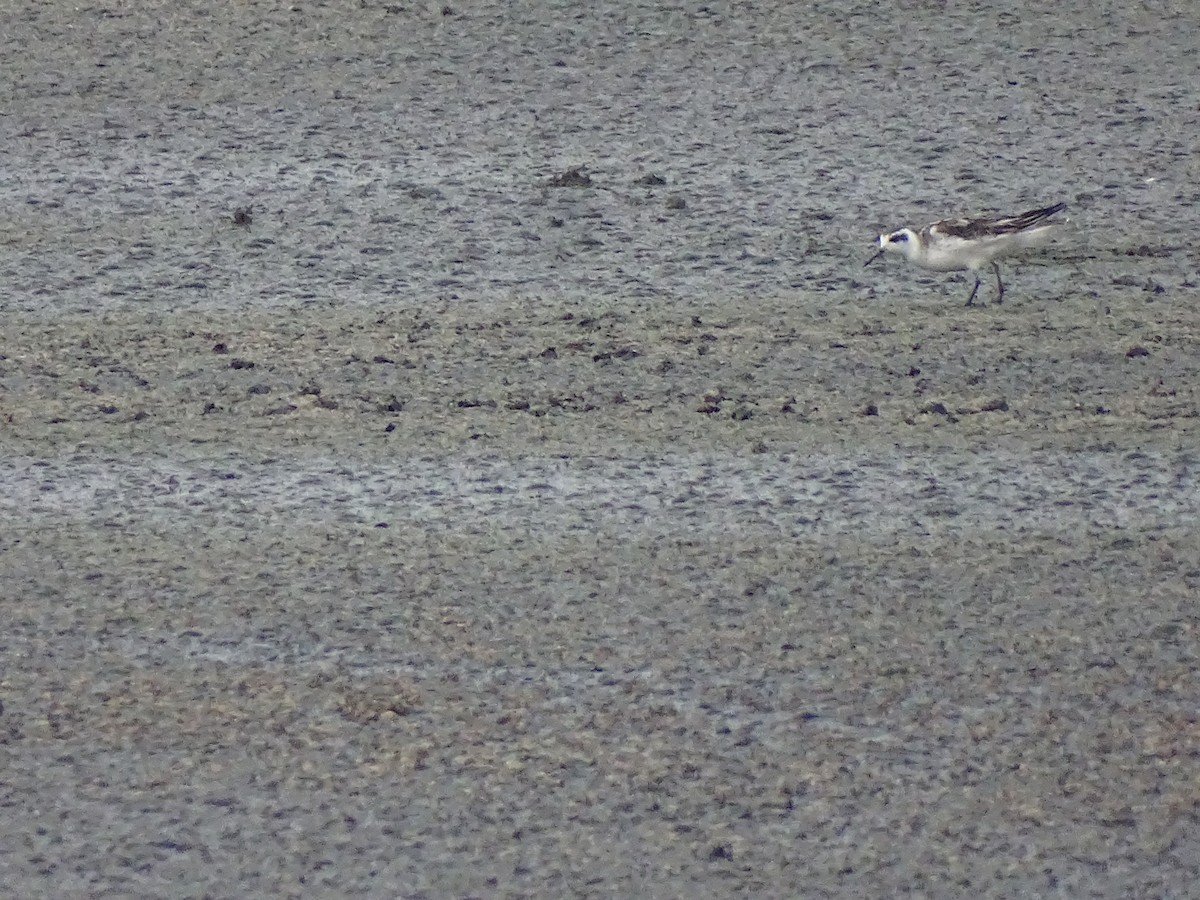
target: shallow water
807 498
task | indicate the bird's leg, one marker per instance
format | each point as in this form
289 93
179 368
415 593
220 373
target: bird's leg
999 283
974 290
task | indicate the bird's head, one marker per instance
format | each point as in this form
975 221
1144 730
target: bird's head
903 241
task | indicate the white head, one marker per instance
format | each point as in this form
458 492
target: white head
904 241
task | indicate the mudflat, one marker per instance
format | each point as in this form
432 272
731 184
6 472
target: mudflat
528 494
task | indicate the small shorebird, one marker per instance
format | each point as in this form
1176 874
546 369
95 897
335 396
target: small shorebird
971 244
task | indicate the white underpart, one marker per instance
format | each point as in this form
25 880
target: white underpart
947 253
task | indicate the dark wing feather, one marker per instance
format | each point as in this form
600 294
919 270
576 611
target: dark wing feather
976 228
967 229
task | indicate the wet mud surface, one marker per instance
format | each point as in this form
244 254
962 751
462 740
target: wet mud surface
527 493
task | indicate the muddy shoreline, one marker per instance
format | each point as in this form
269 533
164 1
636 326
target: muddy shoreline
448 528
466 616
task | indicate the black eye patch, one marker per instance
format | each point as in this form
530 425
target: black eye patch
897 238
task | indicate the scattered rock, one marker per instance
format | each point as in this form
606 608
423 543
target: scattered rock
576 177
379 702
1145 250
1149 285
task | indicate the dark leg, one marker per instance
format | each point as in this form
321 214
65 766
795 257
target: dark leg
999 283
974 290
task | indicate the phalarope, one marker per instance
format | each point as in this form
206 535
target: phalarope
970 243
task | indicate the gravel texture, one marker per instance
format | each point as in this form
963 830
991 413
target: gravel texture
455 451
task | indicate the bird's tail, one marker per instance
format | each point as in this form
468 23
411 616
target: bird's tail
1029 219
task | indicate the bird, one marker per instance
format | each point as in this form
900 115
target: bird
972 244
